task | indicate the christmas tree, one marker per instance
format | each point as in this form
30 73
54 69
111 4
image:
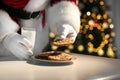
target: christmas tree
97 29
96 35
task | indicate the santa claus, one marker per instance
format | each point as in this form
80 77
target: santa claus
25 25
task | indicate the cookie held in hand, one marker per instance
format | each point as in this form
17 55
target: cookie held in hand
54 55
62 42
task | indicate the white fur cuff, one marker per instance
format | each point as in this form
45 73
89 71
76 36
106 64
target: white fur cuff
7 25
64 12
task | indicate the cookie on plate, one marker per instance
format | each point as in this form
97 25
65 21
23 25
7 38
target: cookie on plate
54 55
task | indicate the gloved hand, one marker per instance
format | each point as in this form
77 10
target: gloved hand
63 18
65 30
18 45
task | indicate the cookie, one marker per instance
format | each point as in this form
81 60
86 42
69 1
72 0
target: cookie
62 42
44 55
53 55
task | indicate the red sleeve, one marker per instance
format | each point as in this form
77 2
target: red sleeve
19 4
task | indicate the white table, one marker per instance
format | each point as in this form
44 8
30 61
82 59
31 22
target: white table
84 67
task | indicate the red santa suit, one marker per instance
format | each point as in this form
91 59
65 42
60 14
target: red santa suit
49 15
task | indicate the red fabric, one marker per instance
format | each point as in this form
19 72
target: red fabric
43 18
19 4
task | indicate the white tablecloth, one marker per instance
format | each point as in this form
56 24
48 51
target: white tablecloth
85 67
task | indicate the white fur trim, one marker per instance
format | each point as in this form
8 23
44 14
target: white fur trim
36 5
64 12
7 25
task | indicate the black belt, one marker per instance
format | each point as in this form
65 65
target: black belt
19 13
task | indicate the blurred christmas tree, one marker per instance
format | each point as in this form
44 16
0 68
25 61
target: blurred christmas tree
96 31
96 28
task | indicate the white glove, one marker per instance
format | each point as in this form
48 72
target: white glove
65 30
63 19
18 45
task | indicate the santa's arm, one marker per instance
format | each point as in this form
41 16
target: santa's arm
64 12
7 25
17 44
33 6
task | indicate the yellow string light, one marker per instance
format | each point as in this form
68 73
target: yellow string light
99 16
52 35
91 22
110 52
54 47
90 49
105 25
109 20
83 20
113 34
111 26
88 13
103 43
93 15
80 48
91 1
100 52
67 50
105 16
70 47
101 3
91 36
